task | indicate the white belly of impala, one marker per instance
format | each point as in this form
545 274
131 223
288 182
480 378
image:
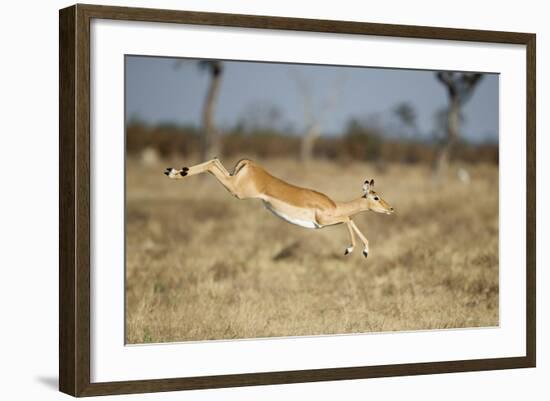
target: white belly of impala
293 220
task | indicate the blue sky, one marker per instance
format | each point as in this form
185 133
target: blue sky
162 90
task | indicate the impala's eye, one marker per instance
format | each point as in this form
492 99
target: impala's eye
376 198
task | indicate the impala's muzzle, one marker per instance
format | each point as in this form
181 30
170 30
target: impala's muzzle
387 208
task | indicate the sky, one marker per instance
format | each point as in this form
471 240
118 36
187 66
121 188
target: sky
166 90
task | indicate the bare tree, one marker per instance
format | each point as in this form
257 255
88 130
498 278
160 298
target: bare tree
406 114
210 142
262 115
460 87
314 113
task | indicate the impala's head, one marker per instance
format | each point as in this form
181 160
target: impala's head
373 200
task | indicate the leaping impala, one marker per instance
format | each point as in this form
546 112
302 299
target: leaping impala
300 206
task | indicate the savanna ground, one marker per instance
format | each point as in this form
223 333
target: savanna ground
203 265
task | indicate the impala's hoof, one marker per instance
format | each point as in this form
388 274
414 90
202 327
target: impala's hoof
365 254
348 250
184 171
171 172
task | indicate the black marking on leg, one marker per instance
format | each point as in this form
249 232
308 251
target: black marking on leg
365 254
186 169
166 173
346 252
183 173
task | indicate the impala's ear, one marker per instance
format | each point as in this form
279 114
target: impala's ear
366 187
372 182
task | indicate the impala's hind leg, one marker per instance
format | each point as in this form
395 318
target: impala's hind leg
213 167
206 167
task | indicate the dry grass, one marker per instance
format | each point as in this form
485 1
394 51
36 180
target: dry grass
203 265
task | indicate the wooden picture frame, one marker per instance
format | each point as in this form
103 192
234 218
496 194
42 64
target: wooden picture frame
74 200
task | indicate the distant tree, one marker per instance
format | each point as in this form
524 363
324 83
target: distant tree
406 113
210 142
460 87
262 116
314 113
440 119
363 141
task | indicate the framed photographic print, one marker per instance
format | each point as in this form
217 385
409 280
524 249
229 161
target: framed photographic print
250 200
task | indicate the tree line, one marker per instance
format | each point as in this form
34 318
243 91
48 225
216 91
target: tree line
358 142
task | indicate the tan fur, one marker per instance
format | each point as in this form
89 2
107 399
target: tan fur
297 205
270 187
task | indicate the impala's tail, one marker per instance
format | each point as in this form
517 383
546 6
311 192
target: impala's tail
240 164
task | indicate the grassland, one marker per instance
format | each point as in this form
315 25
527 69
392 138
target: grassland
203 265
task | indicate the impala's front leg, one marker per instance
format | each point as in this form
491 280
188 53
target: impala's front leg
362 237
349 249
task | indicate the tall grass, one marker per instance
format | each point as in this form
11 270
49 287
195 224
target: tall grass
203 265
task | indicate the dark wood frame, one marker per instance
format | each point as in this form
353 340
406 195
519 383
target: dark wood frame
74 199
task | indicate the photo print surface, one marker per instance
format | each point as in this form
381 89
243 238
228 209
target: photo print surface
274 200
